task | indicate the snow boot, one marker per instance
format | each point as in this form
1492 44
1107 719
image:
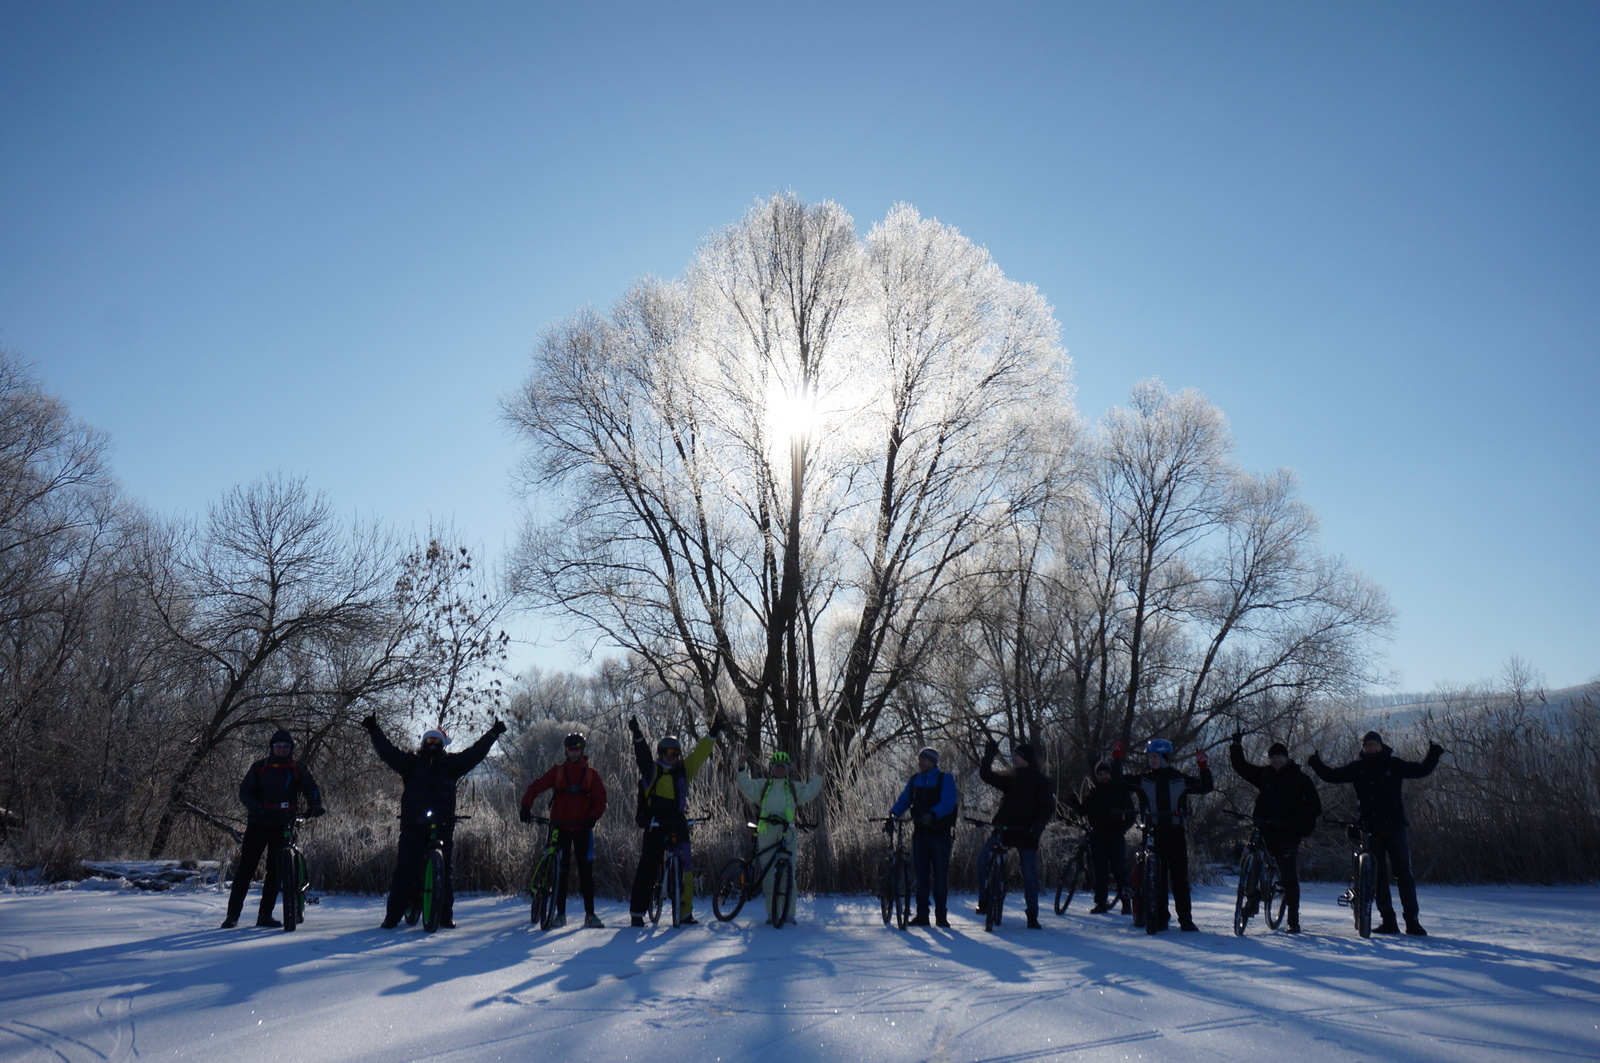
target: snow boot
230 922
1100 909
592 922
920 919
635 919
1388 926
942 920
268 922
1033 921
1414 928
1187 924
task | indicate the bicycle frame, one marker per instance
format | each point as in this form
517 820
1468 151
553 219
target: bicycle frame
432 890
1362 893
669 881
740 880
1259 885
293 880
548 872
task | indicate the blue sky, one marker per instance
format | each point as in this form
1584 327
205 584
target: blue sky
323 238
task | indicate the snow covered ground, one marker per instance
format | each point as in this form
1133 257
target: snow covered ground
106 975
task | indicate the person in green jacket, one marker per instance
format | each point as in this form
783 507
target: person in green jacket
777 799
663 813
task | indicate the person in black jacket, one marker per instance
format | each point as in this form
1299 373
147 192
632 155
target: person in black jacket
271 793
1287 807
1027 801
1108 808
430 775
1163 793
1378 775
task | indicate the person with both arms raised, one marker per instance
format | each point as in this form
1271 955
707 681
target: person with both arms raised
1378 776
1027 802
1164 793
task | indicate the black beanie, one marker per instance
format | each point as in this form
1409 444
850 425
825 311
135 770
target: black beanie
280 735
1025 751
1372 736
1276 748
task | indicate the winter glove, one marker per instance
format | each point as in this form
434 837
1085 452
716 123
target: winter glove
525 813
1116 750
1435 749
991 749
1203 759
633 729
888 825
370 721
718 725
498 729
925 820
1238 738
1314 759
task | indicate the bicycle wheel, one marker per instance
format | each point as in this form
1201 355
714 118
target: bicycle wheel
901 884
1249 890
1366 890
994 893
287 884
1274 898
432 891
671 887
548 879
782 893
1071 881
656 899
1152 884
1139 901
540 886
729 895
886 889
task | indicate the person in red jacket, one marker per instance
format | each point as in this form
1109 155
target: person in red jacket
576 805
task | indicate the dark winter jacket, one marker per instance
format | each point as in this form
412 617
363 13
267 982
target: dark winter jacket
1287 804
1108 807
929 795
579 799
430 779
1378 778
271 791
1027 802
1164 793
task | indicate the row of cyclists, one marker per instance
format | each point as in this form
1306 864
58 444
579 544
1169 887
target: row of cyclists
1286 810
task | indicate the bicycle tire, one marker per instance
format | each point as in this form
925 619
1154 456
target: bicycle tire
1137 898
994 892
729 895
902 892
1249 889
782 893
432 891
1366 890
668 885
538 886
1274 898
1152 884
886 889
546 875
286 888
1071 881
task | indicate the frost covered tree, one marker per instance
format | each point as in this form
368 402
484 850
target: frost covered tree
765 481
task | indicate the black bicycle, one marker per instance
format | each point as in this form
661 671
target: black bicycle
992 890
1363 888
548 872
1146 876
1260 888
434 895
894 876
668 890
294 879
740 880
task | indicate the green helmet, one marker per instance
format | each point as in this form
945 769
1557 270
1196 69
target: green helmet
780 757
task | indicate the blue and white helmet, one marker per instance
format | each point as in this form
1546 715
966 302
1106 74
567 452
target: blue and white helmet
1159 745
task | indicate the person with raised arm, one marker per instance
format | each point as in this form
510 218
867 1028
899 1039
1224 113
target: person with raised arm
1286 811
1378 776
663 813
1027 803
1164 793
777 798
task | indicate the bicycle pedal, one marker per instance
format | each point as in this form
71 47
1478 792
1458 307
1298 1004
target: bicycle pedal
313 900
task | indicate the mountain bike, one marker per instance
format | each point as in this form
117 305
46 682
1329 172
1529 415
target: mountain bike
669 882
1146 876
1260 888
430 901
1363 887
740 880
894 876
548 872
992 890
293 878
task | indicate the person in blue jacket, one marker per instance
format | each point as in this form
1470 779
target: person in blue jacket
931 798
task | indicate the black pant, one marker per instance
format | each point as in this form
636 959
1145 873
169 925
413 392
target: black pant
406 884
578 845
1285 850
1173 849
1108 856
652 850
930 864
257 837
1392 848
